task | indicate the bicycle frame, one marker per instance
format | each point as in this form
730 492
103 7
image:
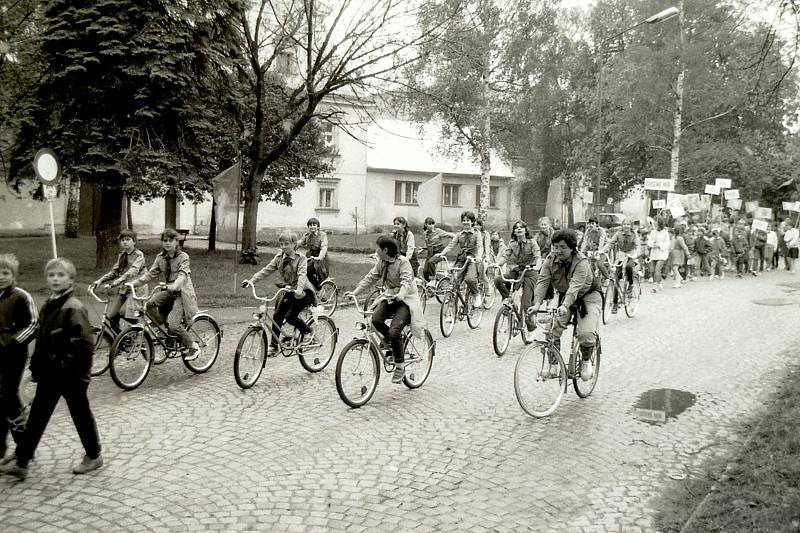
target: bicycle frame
515 285
263 318
549 342
369 333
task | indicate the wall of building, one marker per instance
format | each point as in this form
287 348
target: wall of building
19 213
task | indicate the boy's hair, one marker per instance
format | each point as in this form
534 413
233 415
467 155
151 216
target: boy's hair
567 236
429 220
593 219
169 234
469 215
63 263
312 220
127 233
10 262
384 241
287 236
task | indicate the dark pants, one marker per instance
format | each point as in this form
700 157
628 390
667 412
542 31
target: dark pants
165 307
628 272
48 392
288 310
11 411
758 259
528 284
317 271
429 269
114 311
401 317
742 263
705 264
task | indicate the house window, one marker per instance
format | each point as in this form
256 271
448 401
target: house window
326 198
405 192
493 192
450 195
284 62
329 135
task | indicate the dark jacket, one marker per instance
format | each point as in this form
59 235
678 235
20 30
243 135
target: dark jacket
17 322
64 343
702 245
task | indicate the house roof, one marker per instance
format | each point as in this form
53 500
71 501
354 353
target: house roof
404 146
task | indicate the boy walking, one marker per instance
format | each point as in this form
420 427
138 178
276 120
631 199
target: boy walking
17 327
60 365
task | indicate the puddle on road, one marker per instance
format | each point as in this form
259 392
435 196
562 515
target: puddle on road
656 405
774 302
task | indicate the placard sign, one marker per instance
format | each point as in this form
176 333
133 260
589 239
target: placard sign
788 206
658 184
693 201
723 183
661 204
705 201
797 206
673 199
749 207
732 194
735 204
677 211
712 189
763 212
760 224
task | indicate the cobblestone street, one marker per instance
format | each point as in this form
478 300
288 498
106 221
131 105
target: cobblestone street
186 452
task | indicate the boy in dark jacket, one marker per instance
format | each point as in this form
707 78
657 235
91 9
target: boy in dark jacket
17 327
740 247
60 365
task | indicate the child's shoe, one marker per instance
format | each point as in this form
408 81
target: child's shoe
88 464
399 372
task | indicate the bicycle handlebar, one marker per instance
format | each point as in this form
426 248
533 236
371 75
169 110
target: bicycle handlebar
158 287
264 298
95 296
526 269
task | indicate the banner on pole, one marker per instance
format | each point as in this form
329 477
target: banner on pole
763 212
712 189
749 207
735 204
226 197
658 184
705 201
760 224
732 194
659 204
723 183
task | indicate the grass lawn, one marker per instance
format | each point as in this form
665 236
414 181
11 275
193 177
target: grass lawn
212 273
759 489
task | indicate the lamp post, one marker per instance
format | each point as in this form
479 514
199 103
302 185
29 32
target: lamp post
661 16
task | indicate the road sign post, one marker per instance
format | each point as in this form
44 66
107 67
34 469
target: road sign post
47 169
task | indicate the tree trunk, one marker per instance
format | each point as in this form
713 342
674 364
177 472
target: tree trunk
676 125
485 150
108 227
128 212
171 210
212 226
252 196
72 222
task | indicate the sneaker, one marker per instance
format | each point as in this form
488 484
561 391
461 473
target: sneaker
587 370
615 309
694 278
272 350
649 280
654 289
753 272
676 286
88 464
478 300
629 293
738 275
399 373
660 286
721 276
193 352
13 469
5 460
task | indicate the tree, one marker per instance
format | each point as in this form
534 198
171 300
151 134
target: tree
299 54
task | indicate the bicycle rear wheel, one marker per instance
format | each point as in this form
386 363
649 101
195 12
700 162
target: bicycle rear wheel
539 392
447 314
489 294
102 352
250 357
632 302
131 358
503 330
585 388
608 302
205 332
357 373
328 296
475 314
442 289
316 355
419 359
422 293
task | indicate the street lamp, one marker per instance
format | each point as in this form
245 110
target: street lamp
661 16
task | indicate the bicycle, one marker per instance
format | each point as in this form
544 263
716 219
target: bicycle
510 319
487 287
451 311
137 349
104 338
314 353
538 391
618 284
358 366
327 294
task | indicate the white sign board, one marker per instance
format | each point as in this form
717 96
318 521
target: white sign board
760 224
712 189
658 184
660 204
735 204
797 206
694 204
723 183
732 194
763 212
677 211
788 206
749 207
673 199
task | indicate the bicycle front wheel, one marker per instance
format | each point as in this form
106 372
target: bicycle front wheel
608 302
131 358
419 359
503 330
422 293
489 295
250 357
328 296
584 388
447 314
632 300
442 289
205 332
316 355
475 314
102 352
538 390
357 373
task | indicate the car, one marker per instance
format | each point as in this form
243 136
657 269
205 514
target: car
610 220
